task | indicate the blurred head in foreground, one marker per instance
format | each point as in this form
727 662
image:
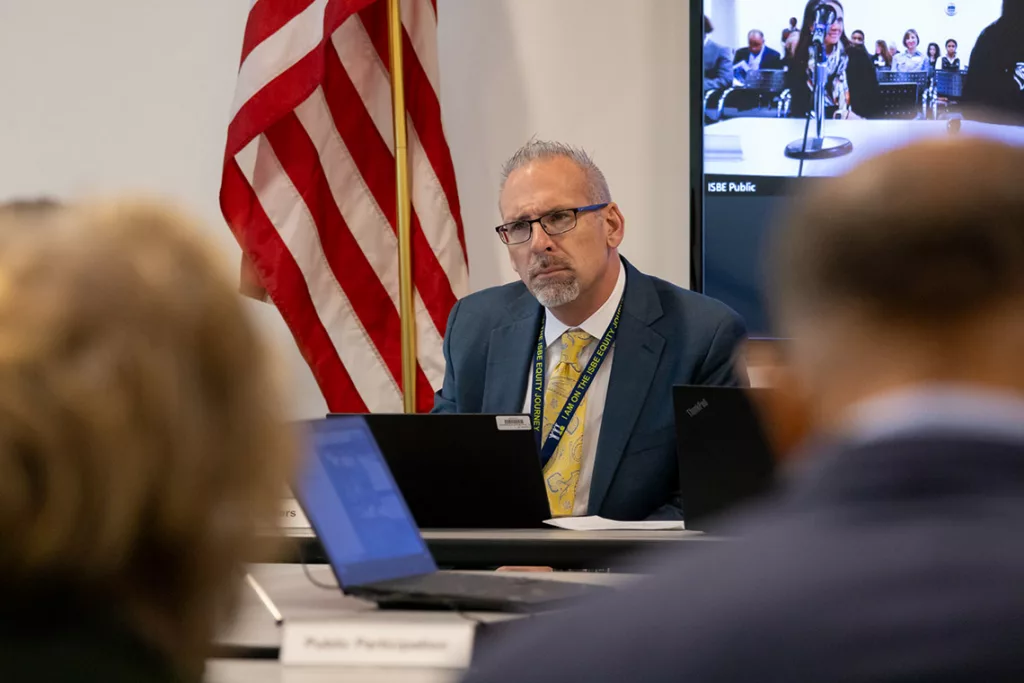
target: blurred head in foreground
870 308
141 443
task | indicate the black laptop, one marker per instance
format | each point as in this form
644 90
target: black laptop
373 545
465 471
724 456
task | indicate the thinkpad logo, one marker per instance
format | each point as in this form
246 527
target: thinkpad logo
697 407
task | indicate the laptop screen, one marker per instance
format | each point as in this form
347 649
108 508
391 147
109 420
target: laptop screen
355 507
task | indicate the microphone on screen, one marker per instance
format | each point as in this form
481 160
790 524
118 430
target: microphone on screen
824 17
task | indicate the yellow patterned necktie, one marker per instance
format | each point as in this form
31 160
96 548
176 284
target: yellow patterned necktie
562 473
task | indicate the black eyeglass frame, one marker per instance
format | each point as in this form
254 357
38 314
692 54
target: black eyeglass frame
503 229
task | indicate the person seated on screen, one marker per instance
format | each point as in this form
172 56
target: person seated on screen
911 59
851 87
950 61
934 55
754 57
717 61
584 315
857 44
892 552
790 47
994 89
141 445
883 57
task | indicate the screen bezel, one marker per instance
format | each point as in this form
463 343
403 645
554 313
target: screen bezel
697 145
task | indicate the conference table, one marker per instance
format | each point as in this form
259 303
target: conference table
249 647
755 146
489 548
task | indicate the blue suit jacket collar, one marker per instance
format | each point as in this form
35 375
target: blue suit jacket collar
638 350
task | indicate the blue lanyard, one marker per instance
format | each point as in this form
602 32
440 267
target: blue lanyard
578 391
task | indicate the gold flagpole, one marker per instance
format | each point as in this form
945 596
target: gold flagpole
405 296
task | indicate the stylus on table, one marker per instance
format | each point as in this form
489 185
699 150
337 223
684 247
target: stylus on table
264 598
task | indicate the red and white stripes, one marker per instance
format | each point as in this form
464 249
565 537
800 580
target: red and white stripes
309 191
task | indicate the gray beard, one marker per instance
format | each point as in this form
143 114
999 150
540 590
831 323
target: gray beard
555 294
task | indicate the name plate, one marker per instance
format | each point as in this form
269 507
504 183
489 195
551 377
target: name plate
362 643
291 515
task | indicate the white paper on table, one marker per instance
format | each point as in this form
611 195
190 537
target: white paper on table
595 523
723 147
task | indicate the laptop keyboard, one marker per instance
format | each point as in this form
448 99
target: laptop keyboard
493 587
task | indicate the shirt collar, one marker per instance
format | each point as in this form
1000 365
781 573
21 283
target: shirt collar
595 325
949 408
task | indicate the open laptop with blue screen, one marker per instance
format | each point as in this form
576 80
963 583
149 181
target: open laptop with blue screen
373 544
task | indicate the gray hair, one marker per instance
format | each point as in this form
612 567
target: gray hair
755 32
534 150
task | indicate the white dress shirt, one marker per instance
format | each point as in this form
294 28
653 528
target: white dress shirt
595 326
754 61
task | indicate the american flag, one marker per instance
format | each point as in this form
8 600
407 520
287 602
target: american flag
309 191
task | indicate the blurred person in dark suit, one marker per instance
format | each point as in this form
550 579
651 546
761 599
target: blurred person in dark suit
141 445
892 550
717 61
755 56
995 85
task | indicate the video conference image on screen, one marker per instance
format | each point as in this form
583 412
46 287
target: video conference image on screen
796 90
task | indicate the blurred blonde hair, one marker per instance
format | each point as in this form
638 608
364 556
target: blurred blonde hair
141 438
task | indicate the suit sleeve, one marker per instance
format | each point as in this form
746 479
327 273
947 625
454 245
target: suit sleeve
445 400
979 80
720 72
722 365
771 59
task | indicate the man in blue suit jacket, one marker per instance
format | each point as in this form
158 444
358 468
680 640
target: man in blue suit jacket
755 56
563 233
894 552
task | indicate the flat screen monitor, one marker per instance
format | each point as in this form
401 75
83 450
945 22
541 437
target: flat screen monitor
752 94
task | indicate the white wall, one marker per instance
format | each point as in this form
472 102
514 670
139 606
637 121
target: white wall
109 96
884 20
113 95
723 19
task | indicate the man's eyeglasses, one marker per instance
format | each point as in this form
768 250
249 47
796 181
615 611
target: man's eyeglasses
554 223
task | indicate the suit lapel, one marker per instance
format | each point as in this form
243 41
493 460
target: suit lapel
638 350
508 357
